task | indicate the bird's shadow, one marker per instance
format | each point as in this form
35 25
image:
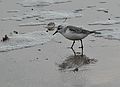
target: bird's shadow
74 62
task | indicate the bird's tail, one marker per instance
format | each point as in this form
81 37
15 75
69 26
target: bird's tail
95 32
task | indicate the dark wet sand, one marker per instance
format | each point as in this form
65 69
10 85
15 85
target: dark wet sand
31 67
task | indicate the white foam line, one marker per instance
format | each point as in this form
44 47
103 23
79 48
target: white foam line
21 41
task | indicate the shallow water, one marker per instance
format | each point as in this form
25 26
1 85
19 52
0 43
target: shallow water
110 34
102 18
20 41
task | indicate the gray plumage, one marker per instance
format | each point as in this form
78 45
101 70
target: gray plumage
80 30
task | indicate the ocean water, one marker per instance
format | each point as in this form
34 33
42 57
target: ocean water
98 16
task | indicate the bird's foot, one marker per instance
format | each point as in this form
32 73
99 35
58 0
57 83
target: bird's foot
80 47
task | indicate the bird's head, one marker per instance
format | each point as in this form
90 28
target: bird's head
59 29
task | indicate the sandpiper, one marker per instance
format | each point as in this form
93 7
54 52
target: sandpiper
74 33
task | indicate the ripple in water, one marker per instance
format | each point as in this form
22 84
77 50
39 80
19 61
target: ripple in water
34 3
107 22
111 34
45 15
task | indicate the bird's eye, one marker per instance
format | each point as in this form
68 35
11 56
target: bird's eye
59 27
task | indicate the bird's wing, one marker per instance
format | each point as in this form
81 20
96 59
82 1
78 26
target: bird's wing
78 30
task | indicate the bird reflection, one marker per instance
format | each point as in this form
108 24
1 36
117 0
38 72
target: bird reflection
75 61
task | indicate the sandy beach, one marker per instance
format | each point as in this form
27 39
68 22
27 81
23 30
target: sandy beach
50 63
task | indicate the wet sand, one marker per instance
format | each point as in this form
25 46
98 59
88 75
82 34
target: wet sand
52 64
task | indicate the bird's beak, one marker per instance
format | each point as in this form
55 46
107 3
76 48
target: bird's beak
55 32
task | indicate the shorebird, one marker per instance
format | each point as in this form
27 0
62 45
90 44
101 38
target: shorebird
74 33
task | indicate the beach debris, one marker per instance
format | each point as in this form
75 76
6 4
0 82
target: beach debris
37 58
37 19
42 44
46 59
32 9
109 19
15 32
39 49
75 70
5 38
50 26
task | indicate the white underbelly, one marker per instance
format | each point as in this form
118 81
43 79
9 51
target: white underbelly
74 36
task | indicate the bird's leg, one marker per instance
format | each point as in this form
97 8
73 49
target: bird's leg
73 51
73 44
81 46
